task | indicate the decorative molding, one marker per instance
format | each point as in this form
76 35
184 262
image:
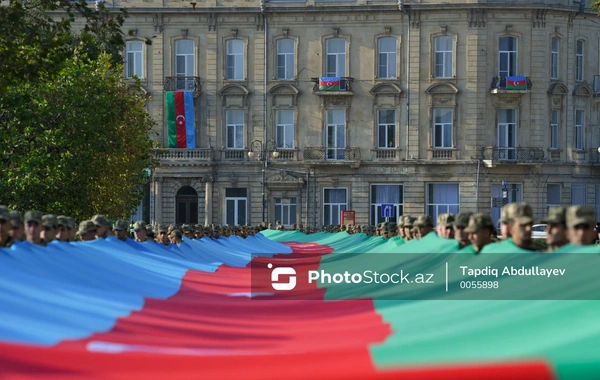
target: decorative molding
507 100
157 179
388 30
477 18
158 22
233 179
337 101
184 33
336 32
132 32
508 28
212 22
444 29
538 18
335 181
557 29
285 32
234 33
415 20
260 21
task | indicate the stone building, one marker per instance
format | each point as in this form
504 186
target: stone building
424 117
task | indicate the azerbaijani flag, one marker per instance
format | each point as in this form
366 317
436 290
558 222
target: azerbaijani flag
180 120
329 83
516 83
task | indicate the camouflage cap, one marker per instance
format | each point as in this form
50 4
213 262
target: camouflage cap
172 227
520 213
86 226
33 216
71 222
206 230
401 221
63 221
409 221
100 221
121 225
462 219
479 221
139 225
4 213
50 220
149 229
445 220
199 227
162 228
577 215
393 226
556 215
423 220
186 228
16 218
176 233
506 212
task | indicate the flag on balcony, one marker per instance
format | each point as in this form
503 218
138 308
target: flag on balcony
516 83
329 84
180 120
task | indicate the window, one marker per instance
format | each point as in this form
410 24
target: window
186 201
235 129
387 57
386 129
579 61
442 128
443 57
579 129
507 57
578 194
597 200
284 129
184 65
553 195
285 59
234 65
442 198
554 59
135 59
285 210
336 58
554 129
334 201
236 200
386 194
507 134
336 134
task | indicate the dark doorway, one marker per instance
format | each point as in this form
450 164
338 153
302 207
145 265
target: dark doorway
186 210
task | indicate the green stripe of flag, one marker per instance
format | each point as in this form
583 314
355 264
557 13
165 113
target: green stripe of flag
171 126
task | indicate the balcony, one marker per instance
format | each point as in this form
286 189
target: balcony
234 154
287 155
494 154
442 154
332 155
182 83
345 87
183 157
499 86
386 154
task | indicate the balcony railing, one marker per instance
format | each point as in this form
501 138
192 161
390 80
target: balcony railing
234 154
181 83
521 154
286 155
383 154
594 156
331 154
345 86
442 154
499 85
183 157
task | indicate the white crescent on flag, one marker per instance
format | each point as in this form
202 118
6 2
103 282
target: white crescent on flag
180 121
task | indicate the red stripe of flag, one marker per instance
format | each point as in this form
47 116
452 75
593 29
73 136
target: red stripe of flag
180 119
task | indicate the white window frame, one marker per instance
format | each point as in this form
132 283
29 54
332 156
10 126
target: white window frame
187 84
134 65
337 207
236 205
554 128
231 126
284 131
335 150
579 129
554 57
508 151
284 205
579 187
511 58
554 187
375 206
288 58
340 58
442 56
387 59
384 128
435 209
443 125
235 59
579 60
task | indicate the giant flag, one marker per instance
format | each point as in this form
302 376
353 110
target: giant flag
180 120
516 83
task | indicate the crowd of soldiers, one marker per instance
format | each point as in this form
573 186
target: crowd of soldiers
473 231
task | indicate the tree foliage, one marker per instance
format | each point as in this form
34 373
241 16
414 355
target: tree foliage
75 136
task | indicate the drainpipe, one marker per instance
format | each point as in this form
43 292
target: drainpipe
477 186
307 195
403 9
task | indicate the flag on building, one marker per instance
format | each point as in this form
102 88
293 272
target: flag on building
180 120
329 84
516 83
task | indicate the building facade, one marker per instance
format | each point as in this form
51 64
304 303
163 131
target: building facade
432 106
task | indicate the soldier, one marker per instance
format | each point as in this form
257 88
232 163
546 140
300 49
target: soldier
424 225
445 226
121 229
519 219
507 210
217 231
62 232
102 226
72 229
5 227
163 234
408 226
479 229
556 228
175 236
401 227
150 234
139 231
49 227
198 229
33 227
87 230
206 234
17 231
580 223
460 223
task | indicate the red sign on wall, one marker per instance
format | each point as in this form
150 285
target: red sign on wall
348 217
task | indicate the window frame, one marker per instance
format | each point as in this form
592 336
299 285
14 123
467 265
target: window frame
554 128
510 151
431 186
338 151
445 54
285 130
338 214
510 71
554 58
375 207
329 73
548 203
581 186
291 61
579 60
387 127
236 201
292 217
579 129
235 55
388 66
443 127
128 74
235 126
